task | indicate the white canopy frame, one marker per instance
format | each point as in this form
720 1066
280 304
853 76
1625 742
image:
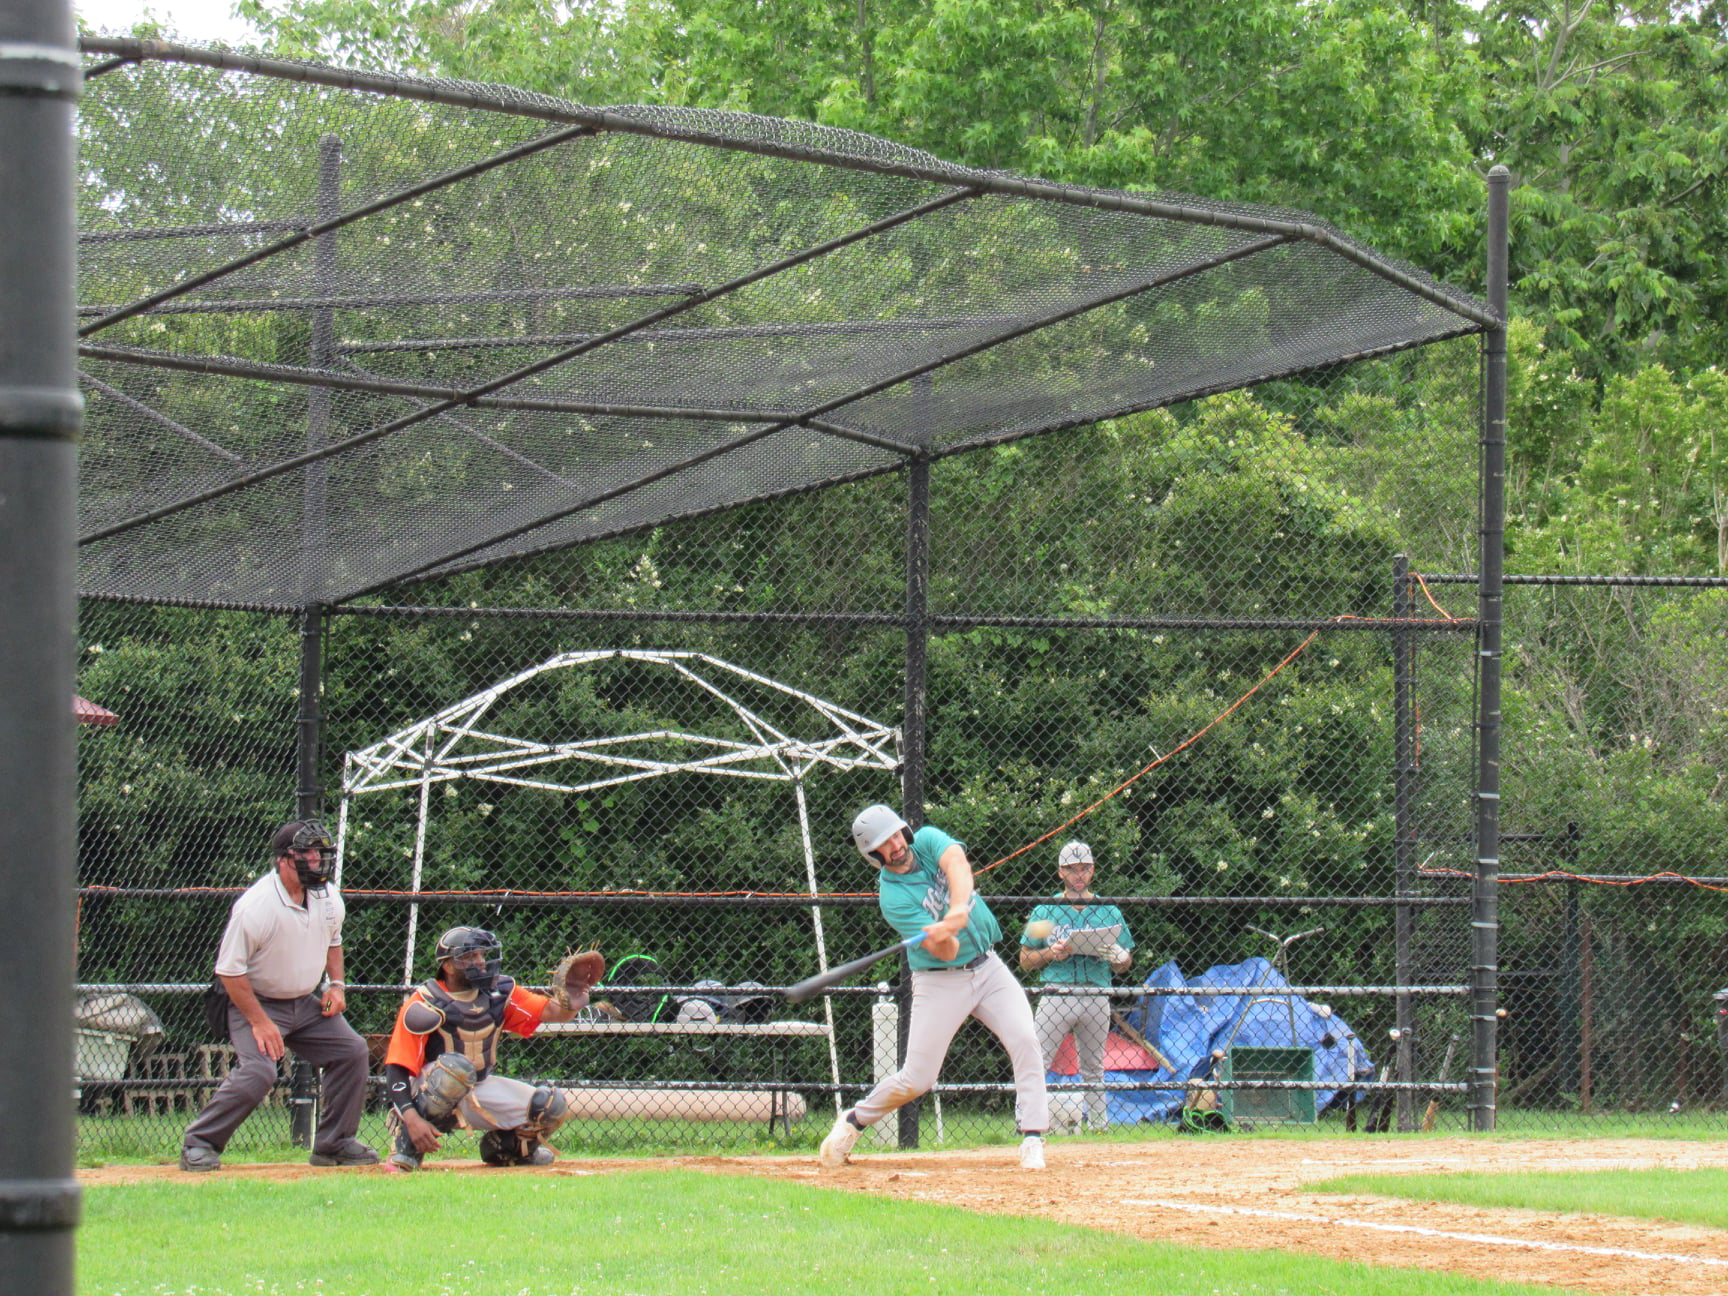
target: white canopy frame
452 746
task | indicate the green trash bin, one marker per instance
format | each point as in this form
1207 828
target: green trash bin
1267 1106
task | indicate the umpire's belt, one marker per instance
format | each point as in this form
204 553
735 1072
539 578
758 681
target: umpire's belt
965 967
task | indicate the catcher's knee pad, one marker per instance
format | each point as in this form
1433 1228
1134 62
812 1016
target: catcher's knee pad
444 1084
547 1110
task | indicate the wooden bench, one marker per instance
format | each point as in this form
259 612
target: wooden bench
780 1034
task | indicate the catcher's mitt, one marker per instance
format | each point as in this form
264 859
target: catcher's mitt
575 975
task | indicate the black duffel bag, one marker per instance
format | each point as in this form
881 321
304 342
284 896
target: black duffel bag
216 1003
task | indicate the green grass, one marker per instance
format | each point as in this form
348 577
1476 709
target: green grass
1682 1196
118 1140
1692 1123
680 1233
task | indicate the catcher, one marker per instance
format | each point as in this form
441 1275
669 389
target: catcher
438 1068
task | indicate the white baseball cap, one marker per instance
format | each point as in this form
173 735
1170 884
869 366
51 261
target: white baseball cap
1075 852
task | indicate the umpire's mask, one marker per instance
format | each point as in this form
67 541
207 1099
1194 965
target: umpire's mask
308 843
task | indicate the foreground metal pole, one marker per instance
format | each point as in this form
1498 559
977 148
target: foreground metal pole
1403 836
1485 893
40 416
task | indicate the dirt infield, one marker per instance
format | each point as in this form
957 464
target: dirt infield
1245 1193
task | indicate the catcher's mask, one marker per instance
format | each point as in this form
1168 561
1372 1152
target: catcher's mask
481 973
874 826
308 843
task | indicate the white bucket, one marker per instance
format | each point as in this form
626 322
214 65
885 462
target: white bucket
1066 1112
101 1056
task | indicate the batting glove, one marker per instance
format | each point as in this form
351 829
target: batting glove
1114 955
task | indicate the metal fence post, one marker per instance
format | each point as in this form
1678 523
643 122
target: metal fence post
309 747
1403 842
302 1101
1485 891
41 415
912 727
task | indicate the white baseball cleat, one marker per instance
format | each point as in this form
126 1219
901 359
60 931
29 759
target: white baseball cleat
1032 1152
839 1142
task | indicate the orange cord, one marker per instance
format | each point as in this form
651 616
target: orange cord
1561 875
1225 714
1152 765
1429 595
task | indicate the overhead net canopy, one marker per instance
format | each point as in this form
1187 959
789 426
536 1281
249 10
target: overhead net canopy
341 331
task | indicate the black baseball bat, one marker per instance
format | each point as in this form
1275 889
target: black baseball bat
835 975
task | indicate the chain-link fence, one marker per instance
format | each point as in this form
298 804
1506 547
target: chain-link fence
1612 904
1200 640
588 511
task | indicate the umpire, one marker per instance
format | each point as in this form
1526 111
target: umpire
283 939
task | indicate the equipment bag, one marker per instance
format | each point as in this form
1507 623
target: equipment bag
635 970
216 1009
751 1007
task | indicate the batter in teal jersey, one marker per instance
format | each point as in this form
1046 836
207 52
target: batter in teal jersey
1057 963
924 886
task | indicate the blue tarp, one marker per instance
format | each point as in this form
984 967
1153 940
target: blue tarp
1186 1028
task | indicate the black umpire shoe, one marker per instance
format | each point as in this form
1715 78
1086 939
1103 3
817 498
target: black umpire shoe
196 1158
349 1152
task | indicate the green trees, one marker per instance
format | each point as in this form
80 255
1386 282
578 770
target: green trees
1379 116
1612 117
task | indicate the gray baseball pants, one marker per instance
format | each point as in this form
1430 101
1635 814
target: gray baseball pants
328 1043
497 1103
942 1000
1088 1018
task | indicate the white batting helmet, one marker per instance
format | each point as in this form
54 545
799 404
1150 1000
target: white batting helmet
873 826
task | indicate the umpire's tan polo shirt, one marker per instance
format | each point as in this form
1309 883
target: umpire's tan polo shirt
279 946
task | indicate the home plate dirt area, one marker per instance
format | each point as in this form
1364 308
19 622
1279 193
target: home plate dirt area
1244 1193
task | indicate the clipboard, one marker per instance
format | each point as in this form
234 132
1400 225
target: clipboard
1093 940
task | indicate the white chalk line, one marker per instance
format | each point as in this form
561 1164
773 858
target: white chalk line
1487 1239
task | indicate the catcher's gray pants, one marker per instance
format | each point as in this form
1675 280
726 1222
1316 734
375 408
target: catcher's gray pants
1088 1018
328 1043
496 1103
942 999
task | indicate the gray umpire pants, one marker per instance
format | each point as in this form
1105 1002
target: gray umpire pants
328 1043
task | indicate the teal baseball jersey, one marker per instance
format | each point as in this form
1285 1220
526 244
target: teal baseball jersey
911 901
1081 969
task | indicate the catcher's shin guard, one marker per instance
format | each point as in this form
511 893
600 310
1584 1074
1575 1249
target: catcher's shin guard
443 1085
547 1110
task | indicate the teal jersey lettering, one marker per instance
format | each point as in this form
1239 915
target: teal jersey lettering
1080 969
911 901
